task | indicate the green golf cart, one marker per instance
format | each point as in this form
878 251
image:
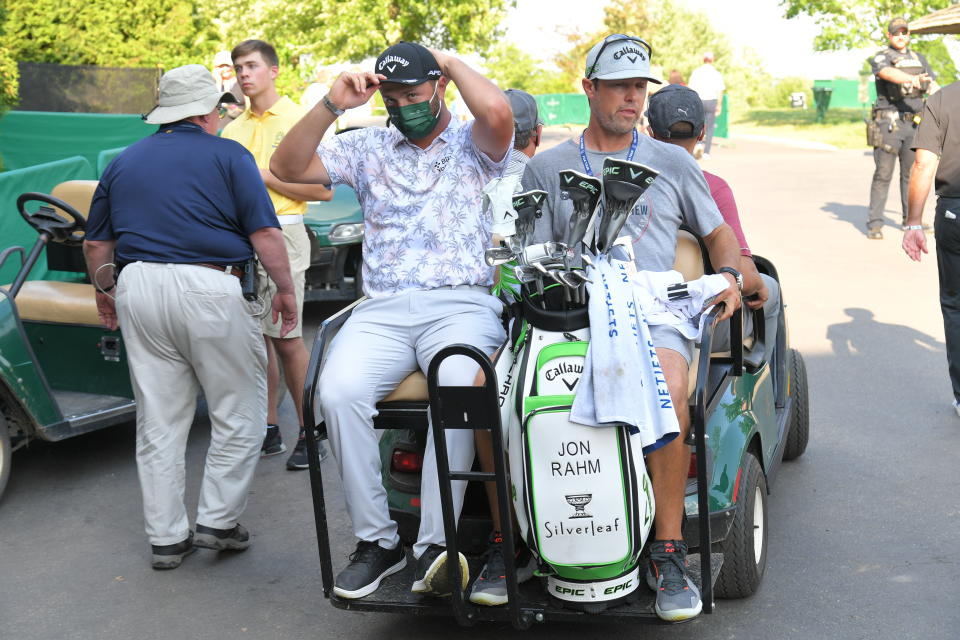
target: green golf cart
61 373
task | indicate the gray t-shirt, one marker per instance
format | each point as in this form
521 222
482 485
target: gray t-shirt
679 195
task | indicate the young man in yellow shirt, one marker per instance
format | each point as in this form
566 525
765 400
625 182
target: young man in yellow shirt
260 129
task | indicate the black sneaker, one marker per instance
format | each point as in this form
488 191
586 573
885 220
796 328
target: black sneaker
170 556
678 598
298 459
236 539
432 577
490 587
272 445
369 564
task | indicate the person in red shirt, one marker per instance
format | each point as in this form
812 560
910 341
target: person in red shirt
675 116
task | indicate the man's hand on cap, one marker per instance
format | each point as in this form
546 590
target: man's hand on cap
442 59
352 89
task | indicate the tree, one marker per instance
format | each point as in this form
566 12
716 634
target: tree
849 24
111 32
511 68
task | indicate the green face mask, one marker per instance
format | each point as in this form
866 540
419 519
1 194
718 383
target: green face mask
415 121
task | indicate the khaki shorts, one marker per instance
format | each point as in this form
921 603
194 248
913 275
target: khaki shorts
298 251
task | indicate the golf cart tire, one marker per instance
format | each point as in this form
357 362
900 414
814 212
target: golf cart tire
798 433
6 457
743 566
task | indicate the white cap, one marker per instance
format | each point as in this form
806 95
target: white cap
620 57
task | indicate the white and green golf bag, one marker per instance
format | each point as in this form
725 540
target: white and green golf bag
582 498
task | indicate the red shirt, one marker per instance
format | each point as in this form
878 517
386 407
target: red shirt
723 196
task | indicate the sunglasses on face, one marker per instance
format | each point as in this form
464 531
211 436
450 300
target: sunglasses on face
617 37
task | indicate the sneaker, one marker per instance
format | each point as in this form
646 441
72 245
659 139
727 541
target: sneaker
432 578
170 556
369 564
956 407
236 539
490 587
678 598
875 234
272 445
298 459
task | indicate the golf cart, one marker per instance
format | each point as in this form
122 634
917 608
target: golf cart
61 373
745 419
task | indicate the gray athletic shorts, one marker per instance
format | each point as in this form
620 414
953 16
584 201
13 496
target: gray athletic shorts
665 336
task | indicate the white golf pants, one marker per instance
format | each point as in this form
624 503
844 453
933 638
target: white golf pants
384 341
187 327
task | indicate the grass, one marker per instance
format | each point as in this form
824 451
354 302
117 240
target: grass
843 128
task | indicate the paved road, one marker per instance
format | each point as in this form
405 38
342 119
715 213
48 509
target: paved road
862 528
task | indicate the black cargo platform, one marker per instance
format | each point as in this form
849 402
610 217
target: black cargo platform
394 596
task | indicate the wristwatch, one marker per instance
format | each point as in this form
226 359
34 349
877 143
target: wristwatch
337 111
736 275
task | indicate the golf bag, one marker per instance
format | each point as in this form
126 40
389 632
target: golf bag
582 498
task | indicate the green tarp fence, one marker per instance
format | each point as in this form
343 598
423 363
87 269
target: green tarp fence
14 231
29 138
572 108
850 93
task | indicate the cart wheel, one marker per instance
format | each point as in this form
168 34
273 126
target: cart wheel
798 433
745 548
5 455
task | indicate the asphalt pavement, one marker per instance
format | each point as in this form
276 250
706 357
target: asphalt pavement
862 527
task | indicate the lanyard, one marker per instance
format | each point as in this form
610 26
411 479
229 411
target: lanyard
586 161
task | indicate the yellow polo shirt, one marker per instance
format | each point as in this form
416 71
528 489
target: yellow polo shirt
261 135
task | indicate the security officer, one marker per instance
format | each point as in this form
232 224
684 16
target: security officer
937 147
903 77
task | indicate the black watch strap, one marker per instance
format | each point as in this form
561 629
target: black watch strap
736 275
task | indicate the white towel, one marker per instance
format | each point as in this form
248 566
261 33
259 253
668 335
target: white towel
665 298
622 381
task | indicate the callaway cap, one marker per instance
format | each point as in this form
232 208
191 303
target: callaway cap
672 104
524 109
619 56
408 63
186 91
896 24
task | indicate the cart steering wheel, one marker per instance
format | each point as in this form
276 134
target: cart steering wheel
48 222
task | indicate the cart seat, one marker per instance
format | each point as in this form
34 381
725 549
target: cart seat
60 302
413 388
76 193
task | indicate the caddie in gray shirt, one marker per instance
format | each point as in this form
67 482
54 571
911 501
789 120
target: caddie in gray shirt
617 72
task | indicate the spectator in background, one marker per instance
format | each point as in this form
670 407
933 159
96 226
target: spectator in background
675 77
226 80
708 83
260 129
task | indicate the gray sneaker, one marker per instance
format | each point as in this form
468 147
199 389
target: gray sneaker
490 587
678 598
236 539
170 556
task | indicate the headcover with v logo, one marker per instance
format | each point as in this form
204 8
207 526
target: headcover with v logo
585 192
529 207
623 184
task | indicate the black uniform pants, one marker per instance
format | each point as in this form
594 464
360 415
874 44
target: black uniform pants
946 227
899 140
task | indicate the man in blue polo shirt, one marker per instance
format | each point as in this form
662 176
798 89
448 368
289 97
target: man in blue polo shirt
180 212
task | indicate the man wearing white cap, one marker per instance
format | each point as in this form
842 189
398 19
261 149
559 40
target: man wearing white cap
616 76
226 79
181 213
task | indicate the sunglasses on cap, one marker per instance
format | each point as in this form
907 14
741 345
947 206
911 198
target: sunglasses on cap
617 37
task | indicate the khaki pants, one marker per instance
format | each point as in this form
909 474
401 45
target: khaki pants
185 328
298 252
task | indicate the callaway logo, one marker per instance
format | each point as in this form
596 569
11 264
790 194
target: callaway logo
568 178
392 67
627 50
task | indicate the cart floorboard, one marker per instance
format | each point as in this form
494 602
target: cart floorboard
394 596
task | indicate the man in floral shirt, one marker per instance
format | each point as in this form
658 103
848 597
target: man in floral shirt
419 182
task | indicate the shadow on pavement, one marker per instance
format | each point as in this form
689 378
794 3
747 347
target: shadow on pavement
856 215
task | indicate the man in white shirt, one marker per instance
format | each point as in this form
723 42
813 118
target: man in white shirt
708 83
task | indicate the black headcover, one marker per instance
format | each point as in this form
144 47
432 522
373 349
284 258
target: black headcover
623 184
585 192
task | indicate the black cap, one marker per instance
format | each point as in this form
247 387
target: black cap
407 63
672 104
896 24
